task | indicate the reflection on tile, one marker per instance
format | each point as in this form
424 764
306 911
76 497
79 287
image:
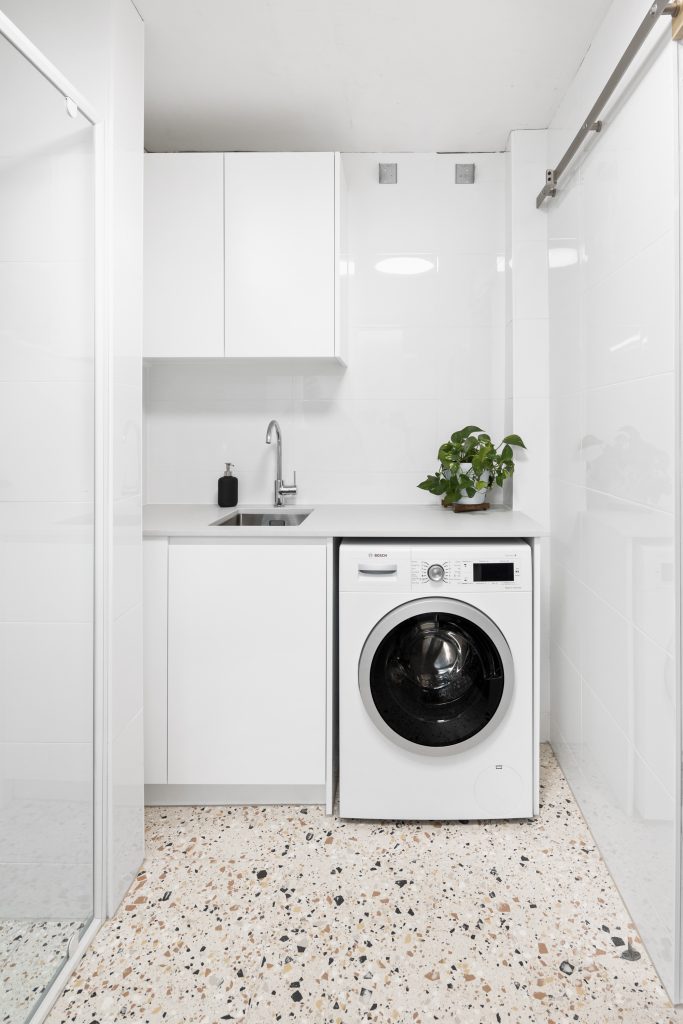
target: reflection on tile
628 440
629 318
654 702
627 558
31 953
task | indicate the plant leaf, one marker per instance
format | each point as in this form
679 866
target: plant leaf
514 439
464 432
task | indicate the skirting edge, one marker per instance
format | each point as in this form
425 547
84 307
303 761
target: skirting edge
202 796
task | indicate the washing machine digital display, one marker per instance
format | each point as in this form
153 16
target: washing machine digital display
436 675
493 572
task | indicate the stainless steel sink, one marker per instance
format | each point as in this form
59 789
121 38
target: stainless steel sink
275 518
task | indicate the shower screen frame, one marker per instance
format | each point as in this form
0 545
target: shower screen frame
102 503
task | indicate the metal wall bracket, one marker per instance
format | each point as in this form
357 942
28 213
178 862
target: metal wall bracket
676 12
549 190
592 122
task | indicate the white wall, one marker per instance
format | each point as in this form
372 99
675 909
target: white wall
98 46
613 470
426 356
526 345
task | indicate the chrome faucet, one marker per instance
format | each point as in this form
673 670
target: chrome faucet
281 488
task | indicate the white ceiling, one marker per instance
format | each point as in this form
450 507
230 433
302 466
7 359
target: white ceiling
354 75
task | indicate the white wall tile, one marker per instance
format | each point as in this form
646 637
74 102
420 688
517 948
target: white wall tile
47 692
530 363
42 541
530 276
52 451
566 716
48 340
44 204
530 420
566 603
567 503
613 293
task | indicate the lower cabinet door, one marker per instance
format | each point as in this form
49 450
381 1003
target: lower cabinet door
246 664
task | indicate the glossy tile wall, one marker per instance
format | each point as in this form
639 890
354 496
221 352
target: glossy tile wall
526 347
425 355
98 45
47 493
612 253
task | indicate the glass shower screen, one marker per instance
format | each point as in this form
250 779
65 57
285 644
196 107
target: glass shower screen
47 504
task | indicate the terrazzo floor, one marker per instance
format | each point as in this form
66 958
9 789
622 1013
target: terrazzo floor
31 953
264 914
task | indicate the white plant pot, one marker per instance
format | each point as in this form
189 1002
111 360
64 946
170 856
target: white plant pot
476 499
479 497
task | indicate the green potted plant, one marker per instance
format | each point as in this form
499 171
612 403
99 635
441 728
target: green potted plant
469 463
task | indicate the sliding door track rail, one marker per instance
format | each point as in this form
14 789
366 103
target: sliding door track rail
592 122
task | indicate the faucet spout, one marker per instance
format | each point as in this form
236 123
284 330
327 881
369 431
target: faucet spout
281 489
275 426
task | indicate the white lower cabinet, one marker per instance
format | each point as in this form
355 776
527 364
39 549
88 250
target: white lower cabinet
247 664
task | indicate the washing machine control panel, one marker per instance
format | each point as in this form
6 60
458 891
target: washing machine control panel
433 567
484 570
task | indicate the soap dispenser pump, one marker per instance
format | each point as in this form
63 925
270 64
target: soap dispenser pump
227 488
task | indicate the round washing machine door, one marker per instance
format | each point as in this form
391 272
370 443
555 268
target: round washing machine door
436 675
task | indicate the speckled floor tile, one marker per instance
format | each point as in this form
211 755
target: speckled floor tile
31 952
263 914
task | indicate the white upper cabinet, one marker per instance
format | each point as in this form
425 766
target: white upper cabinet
183 267
280 259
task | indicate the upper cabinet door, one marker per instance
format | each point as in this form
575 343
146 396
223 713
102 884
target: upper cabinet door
183 254
280 254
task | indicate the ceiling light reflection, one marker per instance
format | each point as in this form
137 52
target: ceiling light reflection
562 257
404 265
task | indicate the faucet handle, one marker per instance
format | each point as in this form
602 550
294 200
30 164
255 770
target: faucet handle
287 489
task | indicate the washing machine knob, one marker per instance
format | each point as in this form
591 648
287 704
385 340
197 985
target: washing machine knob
436 573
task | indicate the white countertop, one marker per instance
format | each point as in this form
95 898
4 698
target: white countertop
342 521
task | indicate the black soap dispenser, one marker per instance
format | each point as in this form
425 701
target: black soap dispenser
227 487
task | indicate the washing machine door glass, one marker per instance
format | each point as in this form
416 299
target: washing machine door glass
436 675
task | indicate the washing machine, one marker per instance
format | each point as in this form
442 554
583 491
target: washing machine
436 689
